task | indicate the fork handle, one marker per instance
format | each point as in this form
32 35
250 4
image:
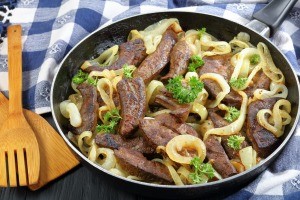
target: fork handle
14 33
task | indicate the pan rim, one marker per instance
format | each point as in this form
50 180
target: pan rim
214 183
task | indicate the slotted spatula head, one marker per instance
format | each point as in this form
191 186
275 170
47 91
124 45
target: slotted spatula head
56 157
19 150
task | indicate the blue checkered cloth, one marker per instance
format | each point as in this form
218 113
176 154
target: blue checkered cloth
52 28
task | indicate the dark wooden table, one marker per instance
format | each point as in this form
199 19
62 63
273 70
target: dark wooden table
80 183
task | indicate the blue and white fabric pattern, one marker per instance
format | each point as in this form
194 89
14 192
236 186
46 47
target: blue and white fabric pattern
52 28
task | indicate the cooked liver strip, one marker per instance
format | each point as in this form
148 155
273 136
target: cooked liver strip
260 80
219 121
173 123
181 111
113 141
159 131
155 62
89 108
155 133
179 60
131 53
136 164
216 154
132 94
219 64
263 141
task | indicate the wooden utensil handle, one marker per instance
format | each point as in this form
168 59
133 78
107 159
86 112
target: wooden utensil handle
15 68
3 101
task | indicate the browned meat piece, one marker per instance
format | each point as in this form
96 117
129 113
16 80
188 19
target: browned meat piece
175 125
113 141
139 51
159 131
216 154
132 94
155 62
179 60
165 99
181 111
155 133
116 99
89 108
131 53
100 100
136 164
219 121
263 141
260 80
219 64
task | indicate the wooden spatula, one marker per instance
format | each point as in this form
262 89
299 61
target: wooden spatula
19 150
56 157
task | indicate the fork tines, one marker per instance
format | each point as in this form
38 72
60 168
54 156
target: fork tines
14 168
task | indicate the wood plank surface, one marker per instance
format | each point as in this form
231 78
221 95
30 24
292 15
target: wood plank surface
80 183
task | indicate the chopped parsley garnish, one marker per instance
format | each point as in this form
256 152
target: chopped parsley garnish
92 81
238 83
201 171
235 141
112 115
107 128
79 77
195 62
127 71
201 32
184 94
111 119
232 114
254 59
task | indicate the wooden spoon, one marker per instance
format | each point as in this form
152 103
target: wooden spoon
19 150
56 157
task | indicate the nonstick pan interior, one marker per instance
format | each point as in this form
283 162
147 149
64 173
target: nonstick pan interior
117 33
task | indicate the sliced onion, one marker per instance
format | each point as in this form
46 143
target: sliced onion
75 117
235 126
63 108
246 155
185 142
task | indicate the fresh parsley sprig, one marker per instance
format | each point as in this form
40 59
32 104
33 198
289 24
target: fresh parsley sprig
80 77
107 128
202 171
201 32
232 114
254 59
127 71
238 82
184 94
112 115
194 63
235 141
92 81
111 120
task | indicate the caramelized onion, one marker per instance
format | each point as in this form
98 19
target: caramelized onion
186 143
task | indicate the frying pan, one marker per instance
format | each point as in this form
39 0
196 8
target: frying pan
222 29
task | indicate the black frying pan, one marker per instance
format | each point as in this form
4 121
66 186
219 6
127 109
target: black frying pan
222 29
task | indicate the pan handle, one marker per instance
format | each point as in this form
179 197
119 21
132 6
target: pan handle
274 13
